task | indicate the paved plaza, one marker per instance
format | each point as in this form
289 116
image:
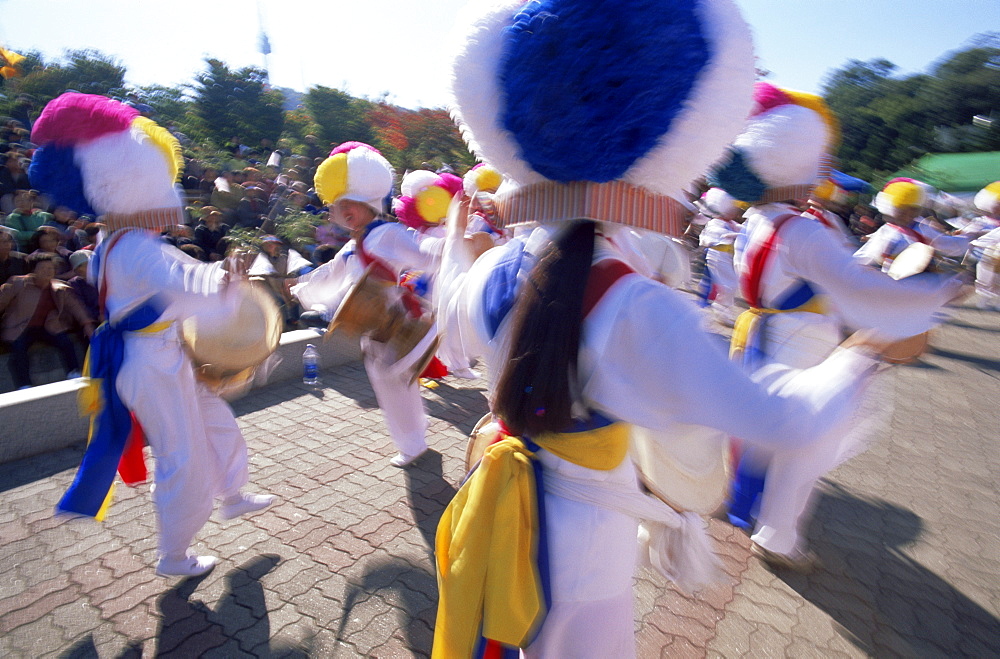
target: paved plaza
341 567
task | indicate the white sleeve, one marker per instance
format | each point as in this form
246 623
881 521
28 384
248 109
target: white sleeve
140 266
323 289
942 242
863 296
460 289
870 253
649 363
402 250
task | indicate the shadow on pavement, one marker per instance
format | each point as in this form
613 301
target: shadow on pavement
975 360
21 472
273 394
959 323
409 587
188 628
462 408
887 603
86 649
428 493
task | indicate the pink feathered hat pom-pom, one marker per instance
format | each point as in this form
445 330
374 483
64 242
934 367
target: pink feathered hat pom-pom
79 118
406 211
451 183
767 96
348 146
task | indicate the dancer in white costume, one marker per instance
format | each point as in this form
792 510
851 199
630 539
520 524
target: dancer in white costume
354 181
126 167
639 356
803 285
900 203
985 230
717 238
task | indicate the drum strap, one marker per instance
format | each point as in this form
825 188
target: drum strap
912 234
381 269
758 260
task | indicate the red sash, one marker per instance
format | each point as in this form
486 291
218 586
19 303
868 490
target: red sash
750 282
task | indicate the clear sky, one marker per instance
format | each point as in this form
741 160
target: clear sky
398 46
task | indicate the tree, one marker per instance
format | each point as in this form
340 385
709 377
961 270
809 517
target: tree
888 121
88 71
338 116
237 104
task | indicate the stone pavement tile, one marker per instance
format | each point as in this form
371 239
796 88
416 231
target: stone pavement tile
127 592
36 637
371 623
36 602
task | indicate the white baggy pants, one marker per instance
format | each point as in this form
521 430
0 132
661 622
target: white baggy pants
199 449
398 399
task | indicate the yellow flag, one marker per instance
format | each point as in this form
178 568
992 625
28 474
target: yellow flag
12 59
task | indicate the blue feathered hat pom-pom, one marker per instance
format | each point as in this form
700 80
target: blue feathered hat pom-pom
591 87
54 170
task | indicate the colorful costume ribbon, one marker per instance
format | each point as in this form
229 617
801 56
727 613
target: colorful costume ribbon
749 332
113 444
491 555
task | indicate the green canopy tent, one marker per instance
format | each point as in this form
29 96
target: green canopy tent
955 172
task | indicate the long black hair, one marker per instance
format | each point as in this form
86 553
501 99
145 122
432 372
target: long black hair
538 385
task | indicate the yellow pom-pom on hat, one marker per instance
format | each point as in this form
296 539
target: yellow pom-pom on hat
165 142
331 178
432 204
988 199
355 171
904 193
900 194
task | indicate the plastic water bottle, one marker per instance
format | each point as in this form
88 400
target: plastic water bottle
310 366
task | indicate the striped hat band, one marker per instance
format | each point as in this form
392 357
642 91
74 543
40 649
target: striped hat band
156 219
615 201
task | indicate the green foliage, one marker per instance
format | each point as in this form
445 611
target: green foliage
298 228
237 104
88 71
244 239
409 138
888 121
170 104
338 116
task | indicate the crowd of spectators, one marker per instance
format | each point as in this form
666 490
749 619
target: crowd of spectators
250 198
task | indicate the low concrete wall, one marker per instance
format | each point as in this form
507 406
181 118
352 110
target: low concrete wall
45 418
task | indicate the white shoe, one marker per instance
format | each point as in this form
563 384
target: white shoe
190 566
403 460
247 503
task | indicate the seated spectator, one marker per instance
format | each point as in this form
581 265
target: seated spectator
324 254
12 178
64 221
46 240
252 209
226 195
12 262
26 217
36 308
207 184
209 232
86 293
90 231
194 251
178 235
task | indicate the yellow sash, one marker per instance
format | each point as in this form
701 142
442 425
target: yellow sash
748 322
487 541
